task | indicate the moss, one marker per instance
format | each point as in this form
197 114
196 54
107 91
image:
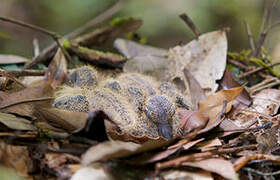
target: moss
99 53
66 44
118 21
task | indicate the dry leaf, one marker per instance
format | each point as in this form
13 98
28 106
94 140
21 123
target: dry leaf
266 101
213 104
25 109
219 166
143 59
180 174
117 149
16 123
54 77
57 70
209 145
71 121
204 58
228 82
196 92
132 49
191 120
91 173
11 59
17 157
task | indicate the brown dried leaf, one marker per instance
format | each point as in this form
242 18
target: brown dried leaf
209 145
57 70
17 157
69 120
228 82
16 123
11 59
205 59
212 105
216 165
191 120
25 109
180 174
54 77
196 92
117 149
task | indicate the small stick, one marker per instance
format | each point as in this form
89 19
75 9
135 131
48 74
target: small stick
248 73
30 26
54 35
242 161
25 72
250 36
190 23
266 86
50 50
178 161
36 48
238 64
27 101
263 31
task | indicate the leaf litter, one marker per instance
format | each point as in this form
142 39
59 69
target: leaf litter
205 124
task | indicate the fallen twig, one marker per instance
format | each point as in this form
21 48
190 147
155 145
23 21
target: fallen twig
178 161
242 161
27 101
50 50
248 73
24 72
191 24
54 35
250 36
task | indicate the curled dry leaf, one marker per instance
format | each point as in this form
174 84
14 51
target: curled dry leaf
180 174
228 82
216 165
143 59
204 58
196 92
209 145
57 70
213 105
191 120
71 121
117 149
16 123
12 59
54 77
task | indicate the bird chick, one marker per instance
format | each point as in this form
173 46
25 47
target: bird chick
138 104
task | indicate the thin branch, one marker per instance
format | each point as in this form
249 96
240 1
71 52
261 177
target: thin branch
178 161
26 72
30 26
238 64
250 36
49 51
263 31
54 35
100 18
190 23
248 73
27 101
36 48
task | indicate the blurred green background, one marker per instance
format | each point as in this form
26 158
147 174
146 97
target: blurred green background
162 27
